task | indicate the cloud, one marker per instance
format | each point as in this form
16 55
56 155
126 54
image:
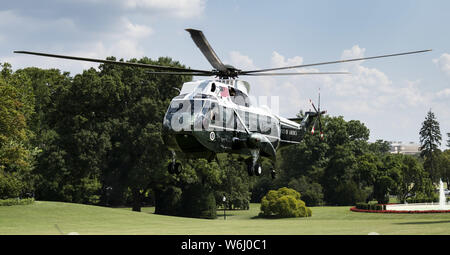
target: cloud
241 61
176 8
445 93
443 63
278 60
90 28
134 30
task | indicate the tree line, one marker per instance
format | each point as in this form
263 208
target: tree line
95 138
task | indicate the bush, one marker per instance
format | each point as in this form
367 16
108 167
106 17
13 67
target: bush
423 198
16 201
10 186
284 203
367 206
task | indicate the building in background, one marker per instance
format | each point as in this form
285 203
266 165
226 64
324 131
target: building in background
410 148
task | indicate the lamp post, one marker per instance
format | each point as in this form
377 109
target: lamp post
224 199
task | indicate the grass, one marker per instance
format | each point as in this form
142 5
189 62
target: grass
41 217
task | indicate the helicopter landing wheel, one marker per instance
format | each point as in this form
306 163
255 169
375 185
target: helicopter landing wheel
178 168
171 168
257 169
273 173
254 169
174 168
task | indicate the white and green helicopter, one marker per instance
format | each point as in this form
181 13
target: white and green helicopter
214 116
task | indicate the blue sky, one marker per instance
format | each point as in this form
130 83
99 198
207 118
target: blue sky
391 96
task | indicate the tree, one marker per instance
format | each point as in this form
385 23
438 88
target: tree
444 166
430 140
235 183
380 147
16 153
412 177
134 108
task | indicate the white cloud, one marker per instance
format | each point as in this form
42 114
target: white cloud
354 52
443 62
134 30
241 61
177 8
278 60
445 93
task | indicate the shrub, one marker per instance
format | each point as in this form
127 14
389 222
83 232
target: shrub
367 206
284 203
16 201
10 186
423 198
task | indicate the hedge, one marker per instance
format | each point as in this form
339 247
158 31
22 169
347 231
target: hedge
354 209
367 206
16 201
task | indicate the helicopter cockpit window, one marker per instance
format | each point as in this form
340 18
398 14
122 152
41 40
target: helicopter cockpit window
175 106
239 98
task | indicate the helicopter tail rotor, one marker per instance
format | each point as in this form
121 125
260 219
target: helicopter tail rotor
318 115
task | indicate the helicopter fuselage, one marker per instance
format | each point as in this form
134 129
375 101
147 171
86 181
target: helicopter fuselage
216 116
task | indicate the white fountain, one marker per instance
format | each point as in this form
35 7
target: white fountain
423 207
442 198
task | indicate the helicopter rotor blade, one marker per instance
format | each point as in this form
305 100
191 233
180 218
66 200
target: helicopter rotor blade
200 40
315 109
332 62
183 73
277 74
319 101
167 68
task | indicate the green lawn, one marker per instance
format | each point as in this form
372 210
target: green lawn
41 218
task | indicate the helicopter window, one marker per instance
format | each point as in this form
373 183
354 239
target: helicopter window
232 91
238 125
213 87
213 113
265 124
239 98
175 106
253 122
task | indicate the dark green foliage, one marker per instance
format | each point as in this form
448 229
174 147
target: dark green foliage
444 166
368 206
198 201
10 185
380 147
283 203
234 183
168 201
16 152
16 201
312 192
430 140
423 198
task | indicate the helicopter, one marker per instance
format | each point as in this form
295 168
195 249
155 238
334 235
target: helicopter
215 116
